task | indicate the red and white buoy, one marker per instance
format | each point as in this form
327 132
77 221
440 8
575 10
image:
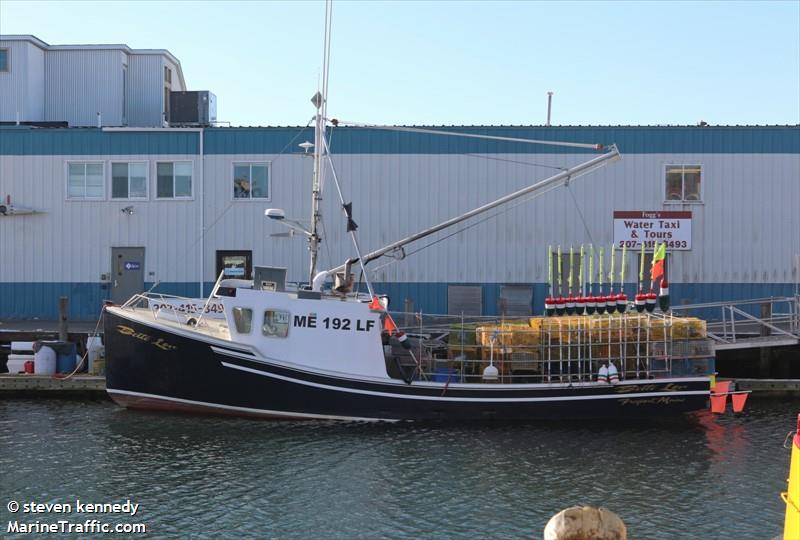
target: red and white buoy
561 305
663 296
650 301
622 302
591 304
580 305
570 304
641 298
549 306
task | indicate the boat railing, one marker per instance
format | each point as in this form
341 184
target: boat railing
555 349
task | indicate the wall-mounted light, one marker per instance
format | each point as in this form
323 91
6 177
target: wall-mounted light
127 210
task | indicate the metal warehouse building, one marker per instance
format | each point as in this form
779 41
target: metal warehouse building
120 209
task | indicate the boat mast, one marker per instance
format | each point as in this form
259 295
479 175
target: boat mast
320 101
316 190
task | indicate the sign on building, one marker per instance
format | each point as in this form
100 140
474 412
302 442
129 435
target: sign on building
631 228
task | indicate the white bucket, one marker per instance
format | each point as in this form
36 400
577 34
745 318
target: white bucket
94 346
16 362
44 361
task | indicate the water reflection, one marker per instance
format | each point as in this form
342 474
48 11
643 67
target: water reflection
715 477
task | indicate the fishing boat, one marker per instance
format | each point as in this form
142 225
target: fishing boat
322 350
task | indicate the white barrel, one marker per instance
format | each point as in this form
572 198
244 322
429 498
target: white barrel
94 344
44 361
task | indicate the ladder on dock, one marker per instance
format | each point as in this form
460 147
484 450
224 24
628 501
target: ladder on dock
777 323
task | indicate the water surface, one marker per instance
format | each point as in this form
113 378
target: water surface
205 477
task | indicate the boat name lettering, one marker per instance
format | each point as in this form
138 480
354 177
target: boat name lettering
662 400
141 336
671 387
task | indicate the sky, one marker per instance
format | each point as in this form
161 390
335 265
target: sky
458 62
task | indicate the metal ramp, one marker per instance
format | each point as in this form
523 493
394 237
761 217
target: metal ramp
776 324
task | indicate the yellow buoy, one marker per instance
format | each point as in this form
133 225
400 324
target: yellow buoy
791 524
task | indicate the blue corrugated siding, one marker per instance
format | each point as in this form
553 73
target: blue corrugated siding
344 140
40 300
22 141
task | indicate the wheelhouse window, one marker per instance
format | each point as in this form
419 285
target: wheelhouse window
85 180
243 319
276 323
251 181
5 63
683 183
129 180
174 180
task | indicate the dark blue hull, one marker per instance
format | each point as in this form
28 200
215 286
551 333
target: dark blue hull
150 366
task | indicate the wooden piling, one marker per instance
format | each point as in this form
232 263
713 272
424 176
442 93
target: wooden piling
63 307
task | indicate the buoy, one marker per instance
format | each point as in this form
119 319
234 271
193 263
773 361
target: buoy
602 374
663 296
650 301
570 304
403 339
549 306
600 306
613 375
561 305
580 305
591 304
611 302
490 373
640 301
622 302
585 523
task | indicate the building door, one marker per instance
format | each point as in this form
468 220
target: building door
236 264
464 299
515 300
127 273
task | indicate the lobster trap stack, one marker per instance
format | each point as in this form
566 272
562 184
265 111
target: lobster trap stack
641 346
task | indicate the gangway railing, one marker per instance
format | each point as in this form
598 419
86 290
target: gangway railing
777 324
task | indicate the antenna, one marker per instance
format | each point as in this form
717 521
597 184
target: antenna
549 107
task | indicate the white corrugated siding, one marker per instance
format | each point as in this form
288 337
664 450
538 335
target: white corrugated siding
145 90
81 83
71 241
22 87
746 230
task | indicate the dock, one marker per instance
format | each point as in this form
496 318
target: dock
29 385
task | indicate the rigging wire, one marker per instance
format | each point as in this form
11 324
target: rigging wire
467 227
578 208
592 146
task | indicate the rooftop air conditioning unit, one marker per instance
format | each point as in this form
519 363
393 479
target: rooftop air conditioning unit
192 108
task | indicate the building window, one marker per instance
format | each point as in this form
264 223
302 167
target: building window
85 180
5 60
251 181
235 264
129 180
276 323
243 319
174 180
683 183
